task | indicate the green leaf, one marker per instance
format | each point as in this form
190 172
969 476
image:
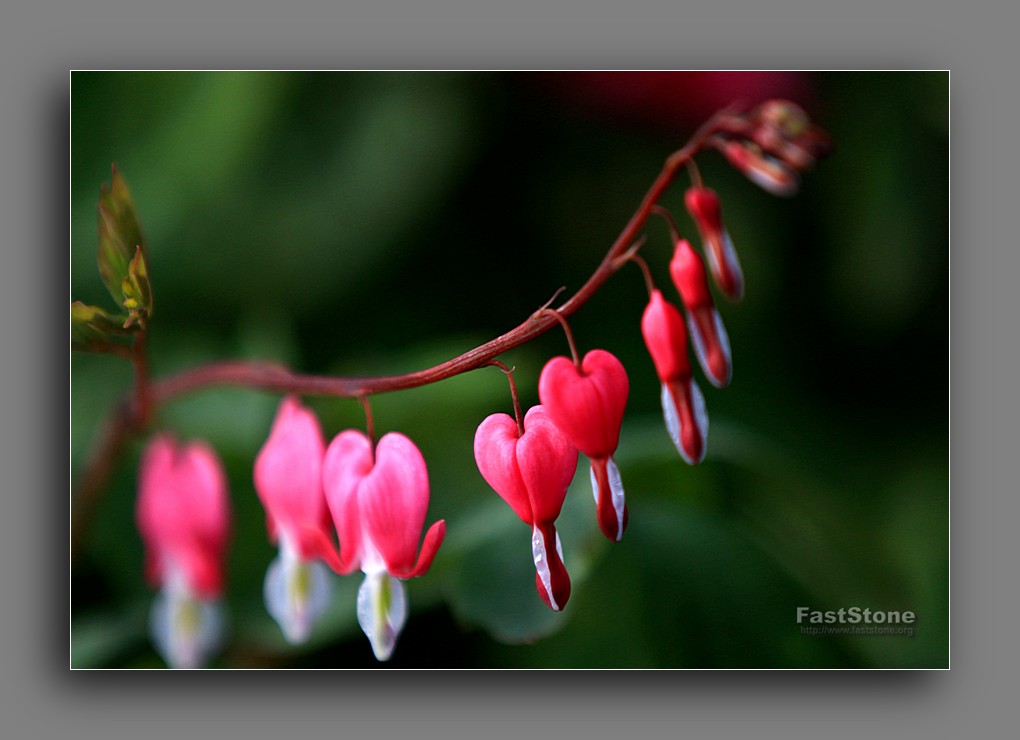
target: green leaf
120 235
95 330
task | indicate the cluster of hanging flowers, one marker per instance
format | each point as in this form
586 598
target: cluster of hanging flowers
374 497
583 400
353 504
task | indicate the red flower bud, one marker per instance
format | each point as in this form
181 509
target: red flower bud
683 406
711 343
703 205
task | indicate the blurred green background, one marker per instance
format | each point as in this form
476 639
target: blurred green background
377 223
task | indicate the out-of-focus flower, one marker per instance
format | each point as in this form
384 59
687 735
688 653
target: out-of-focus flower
288 480
532 471
667 100
586 403
772 144
183 515
378 500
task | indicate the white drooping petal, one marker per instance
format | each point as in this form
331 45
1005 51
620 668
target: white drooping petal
731 259
672 418
538 552
297 594
185 630
382 611
700 347
616 488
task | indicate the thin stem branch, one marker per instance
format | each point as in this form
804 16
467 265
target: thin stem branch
369 423
273 377
518 414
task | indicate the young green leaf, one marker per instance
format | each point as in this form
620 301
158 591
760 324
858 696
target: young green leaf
120 235
94 330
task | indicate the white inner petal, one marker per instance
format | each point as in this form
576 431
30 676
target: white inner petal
672 419
382 611
699 345
731 257
185 630
297 594
616 488
538 552
724 340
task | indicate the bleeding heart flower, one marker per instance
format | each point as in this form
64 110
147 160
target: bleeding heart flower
703 205
378 503
683 406
587 405
532 471
183 515
288 480
711 343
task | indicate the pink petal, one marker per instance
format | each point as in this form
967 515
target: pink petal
547 462
587 408
347 462
429 547
393 499
688 273
495 449
665 334
288 470
183 513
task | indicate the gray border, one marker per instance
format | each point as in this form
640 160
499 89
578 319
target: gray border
38 44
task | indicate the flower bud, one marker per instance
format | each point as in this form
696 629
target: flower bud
711 343
683 406
703 205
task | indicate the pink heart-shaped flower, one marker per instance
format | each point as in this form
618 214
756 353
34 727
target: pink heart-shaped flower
586 404
530 471
378 504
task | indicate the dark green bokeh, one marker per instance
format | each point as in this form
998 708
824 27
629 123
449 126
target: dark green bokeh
377 223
